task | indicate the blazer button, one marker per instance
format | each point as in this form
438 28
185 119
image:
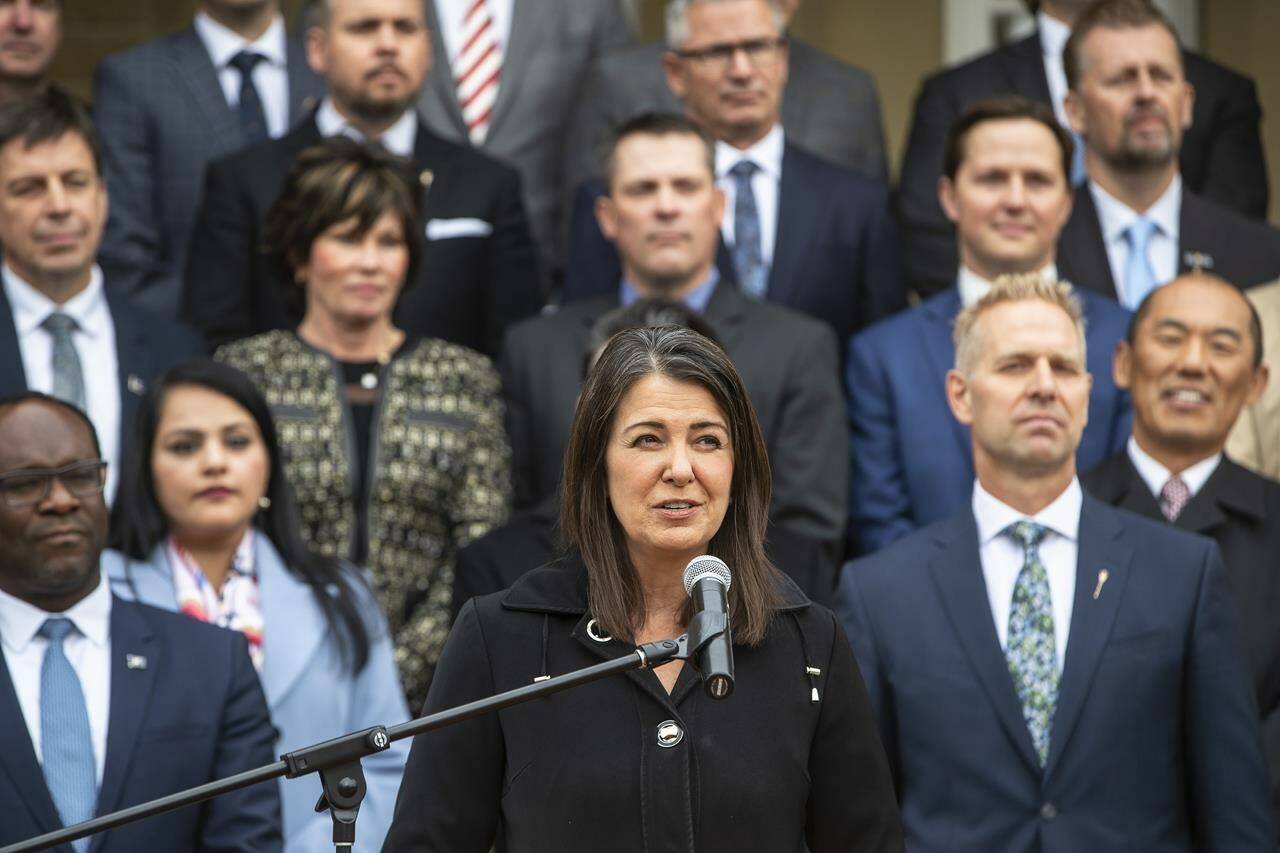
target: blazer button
669 734
1048 811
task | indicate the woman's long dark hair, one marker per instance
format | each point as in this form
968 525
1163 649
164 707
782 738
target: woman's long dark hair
138 524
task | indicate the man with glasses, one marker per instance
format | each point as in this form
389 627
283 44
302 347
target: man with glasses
104 703
63 329
797 230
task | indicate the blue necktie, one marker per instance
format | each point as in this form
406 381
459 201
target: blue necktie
252 117
748 258
68 377
1030 645
1139 277
1079 174
66 747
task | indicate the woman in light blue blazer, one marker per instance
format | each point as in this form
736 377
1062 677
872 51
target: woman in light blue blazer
205 524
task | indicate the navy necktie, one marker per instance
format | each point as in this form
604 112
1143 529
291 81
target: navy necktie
66 746
253 119
748 256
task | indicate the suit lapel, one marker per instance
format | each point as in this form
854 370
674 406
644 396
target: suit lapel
197 73
799 209
131 688
133 360
1082 252
302 85
940 313
287 650
440 83
1194 233
725 312
963 593
1091 618
18 758
1118 483
13 376
528 18
1023 65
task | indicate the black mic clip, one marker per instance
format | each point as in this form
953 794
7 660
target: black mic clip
703 628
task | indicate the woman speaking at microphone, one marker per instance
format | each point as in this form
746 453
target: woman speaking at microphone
665 463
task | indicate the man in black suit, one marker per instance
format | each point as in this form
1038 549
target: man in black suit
63 329
166 108
798 231
663 212
1137 225
1221 155
478 272
1192 361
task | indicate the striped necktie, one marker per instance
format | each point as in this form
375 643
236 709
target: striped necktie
478 70
66 745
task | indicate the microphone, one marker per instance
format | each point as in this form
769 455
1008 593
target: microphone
707 580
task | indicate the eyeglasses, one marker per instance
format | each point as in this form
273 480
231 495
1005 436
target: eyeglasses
758 51
31 486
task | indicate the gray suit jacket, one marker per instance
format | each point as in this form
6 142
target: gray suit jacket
552 45
828 108
787 361
163 117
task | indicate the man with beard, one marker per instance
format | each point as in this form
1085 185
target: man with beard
478 271
1137 226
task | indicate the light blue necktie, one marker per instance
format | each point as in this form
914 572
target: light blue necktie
66 747
748 258
1030 647
68 377
1139 277
1079 174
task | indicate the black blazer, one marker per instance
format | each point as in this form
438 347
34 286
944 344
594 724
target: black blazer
1240 510
467 288
1221 156
1242 251
787 361
837 255
146 346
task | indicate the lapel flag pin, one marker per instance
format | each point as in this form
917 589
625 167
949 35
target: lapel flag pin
136 385
1197 262
426 177
135 662
1102 579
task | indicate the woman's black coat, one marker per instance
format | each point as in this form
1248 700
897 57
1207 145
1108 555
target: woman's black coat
768 769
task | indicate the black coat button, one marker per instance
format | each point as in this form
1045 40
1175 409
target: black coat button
1048 811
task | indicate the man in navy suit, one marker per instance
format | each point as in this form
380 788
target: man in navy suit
1221 156
1051 674
166 109
1005 189
105 703
797 230
63 329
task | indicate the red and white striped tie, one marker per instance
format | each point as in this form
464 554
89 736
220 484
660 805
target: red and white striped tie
478 67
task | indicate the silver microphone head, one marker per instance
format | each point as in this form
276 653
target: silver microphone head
703 567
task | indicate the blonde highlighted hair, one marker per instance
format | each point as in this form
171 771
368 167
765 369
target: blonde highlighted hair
1012 288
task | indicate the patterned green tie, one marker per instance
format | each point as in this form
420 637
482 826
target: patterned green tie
1030 650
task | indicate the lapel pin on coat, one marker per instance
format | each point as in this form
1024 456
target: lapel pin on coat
1197 262
1102 579
136 385
135 662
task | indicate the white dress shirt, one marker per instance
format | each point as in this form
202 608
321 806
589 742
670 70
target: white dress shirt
1115 217
1156 475
88 650
95 343
767 154
1053 38
398 139
270 77
973 286
450 14
1002 557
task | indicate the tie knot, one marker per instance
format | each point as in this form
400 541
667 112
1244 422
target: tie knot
1139 233
1028 534
1173 497
743 170
59 324
245 61
56 629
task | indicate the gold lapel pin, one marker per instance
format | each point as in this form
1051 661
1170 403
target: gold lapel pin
1102 579
426 177
135 662
135 384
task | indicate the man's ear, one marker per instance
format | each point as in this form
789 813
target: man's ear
317 51
1122 365
1260 378
1073 105
673 70
607 217
947 198
958 397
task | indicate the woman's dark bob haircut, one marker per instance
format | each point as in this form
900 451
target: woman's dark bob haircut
337 180
588 521
138 524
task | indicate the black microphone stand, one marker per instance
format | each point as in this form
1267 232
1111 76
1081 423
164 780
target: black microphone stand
338 760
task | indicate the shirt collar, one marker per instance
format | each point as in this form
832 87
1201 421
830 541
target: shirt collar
19 620
1156 475
399 139
1115 216
1062 515
695 300
767 154
1053 35
31 307
223 43
973 286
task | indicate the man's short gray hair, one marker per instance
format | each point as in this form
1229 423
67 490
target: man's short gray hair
1012 288
678 19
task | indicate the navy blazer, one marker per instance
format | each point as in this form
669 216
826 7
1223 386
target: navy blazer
1155 743
193 712
912 461
836 257
146 346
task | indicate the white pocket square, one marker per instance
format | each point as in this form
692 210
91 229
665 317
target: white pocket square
444 229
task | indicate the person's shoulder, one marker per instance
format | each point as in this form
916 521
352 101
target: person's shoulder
901 565
434 352
165 336
816 66
782 321
624 62
976 74
475 164
142 58
836 178
1100 309
887 335
261 348
186 639
1155 542
1212 78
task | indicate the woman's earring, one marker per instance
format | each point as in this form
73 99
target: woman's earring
264 502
